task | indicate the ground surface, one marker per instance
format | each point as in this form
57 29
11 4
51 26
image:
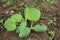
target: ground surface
49 11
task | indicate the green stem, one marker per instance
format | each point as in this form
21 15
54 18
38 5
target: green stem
31 24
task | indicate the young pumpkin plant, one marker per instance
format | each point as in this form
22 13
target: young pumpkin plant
32 14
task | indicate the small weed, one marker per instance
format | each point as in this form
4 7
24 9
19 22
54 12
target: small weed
1 21
1 28
51 34
3 0
9 2
39 1
43 16
52 21
51 2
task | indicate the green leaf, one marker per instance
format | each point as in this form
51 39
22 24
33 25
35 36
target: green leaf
21 27
16 17
24 32
10 25
32 14
40 28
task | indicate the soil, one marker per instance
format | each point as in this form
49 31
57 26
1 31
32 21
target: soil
49 11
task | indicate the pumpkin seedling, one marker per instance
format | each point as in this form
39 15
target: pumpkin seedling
32 14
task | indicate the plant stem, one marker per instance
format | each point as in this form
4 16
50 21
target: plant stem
31 24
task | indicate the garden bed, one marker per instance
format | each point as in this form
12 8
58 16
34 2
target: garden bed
47 10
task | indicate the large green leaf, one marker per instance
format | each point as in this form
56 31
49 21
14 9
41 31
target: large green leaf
40 28
16 17
10 25
32 14
25 32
